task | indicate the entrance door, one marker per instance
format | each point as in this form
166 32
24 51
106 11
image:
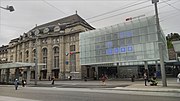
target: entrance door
111 72
56 73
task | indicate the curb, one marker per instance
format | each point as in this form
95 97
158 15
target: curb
146 90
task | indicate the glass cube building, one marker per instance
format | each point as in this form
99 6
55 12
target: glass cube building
129 43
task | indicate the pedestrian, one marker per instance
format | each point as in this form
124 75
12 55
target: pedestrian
49 78
132 78
39 78
16 82
178 78
145 78
23 83
53 80
103 79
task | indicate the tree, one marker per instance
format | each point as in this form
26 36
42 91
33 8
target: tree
172 37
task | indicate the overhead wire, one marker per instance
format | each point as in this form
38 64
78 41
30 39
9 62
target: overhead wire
172 6
109 12
53 6
172 14
122 13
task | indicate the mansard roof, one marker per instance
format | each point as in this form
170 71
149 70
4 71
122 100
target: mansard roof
3 48
66 20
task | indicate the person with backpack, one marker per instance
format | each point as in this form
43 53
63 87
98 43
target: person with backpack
16 82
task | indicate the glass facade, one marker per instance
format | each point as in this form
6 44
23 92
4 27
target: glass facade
136 40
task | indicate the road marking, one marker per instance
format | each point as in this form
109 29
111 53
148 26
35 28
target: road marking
6 98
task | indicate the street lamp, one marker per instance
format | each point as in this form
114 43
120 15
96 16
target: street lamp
10 8
163 72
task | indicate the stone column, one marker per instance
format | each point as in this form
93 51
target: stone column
17 73
39 50
97 74
23 52
7 75
49 59
30 53
28 75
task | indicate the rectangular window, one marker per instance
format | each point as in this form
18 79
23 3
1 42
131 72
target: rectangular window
72 48
56 61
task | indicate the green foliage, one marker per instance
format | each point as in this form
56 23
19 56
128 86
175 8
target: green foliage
169 44
172 37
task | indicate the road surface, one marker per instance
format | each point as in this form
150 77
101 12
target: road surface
7 93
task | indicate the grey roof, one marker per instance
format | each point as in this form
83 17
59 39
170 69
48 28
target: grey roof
67 20
3 48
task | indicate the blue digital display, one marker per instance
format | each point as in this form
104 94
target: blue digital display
122 49
109 51
129 48
116 50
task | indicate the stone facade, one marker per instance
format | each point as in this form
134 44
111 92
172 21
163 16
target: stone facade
54 42
3 53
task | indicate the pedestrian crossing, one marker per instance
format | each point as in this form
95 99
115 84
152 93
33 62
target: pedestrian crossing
6 98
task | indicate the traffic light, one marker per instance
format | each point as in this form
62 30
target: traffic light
67 53
73 52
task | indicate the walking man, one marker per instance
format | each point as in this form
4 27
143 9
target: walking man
16 83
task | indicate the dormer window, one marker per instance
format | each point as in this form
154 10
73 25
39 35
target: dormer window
29 34
46 30
56 28
36 32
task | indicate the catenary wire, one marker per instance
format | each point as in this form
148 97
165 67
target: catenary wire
117 10
121 13
53 6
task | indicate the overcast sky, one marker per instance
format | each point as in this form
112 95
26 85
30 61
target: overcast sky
98 13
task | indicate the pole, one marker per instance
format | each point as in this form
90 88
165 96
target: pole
160 44
36 62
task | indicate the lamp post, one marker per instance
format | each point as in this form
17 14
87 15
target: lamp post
160 44
10 8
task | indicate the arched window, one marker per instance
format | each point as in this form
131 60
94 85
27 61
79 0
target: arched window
72 58
44 56
56 57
